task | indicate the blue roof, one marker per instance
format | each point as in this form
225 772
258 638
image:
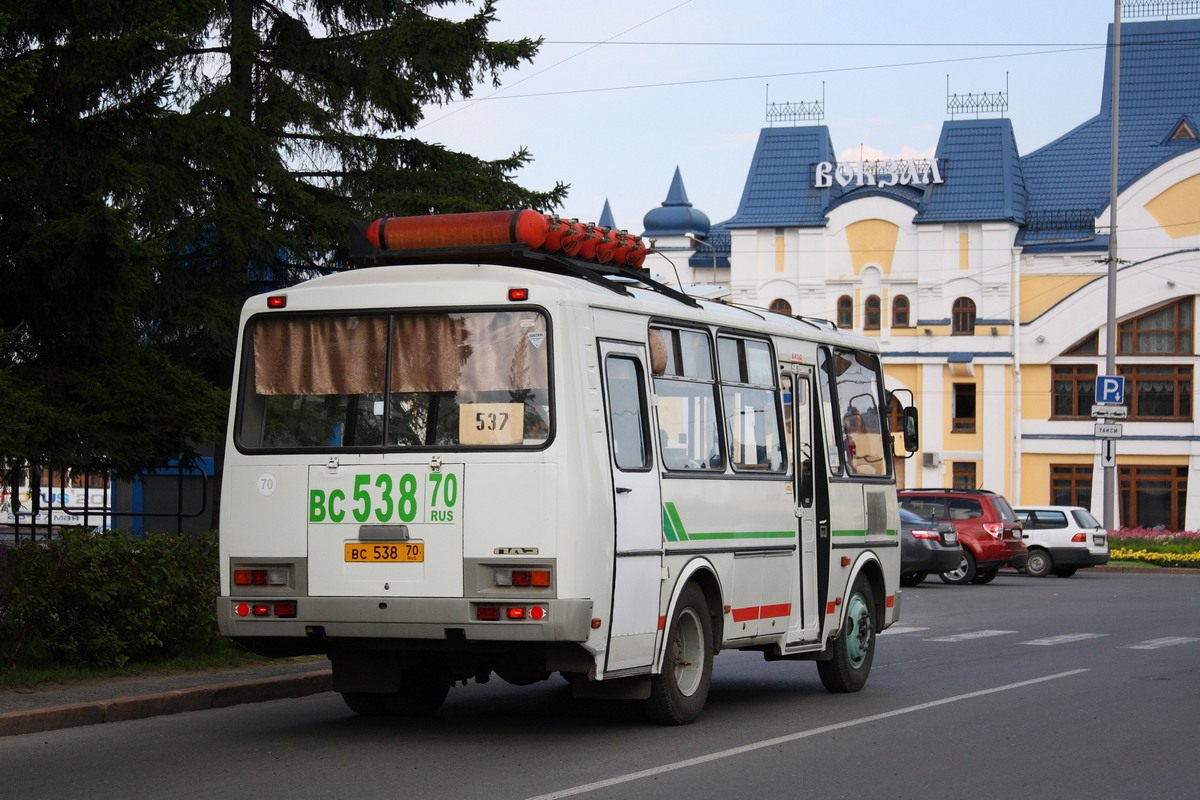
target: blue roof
675 217
606 216
981 170
1054 193
720 243
1068 179
779 190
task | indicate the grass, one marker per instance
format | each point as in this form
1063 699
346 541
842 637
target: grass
227 657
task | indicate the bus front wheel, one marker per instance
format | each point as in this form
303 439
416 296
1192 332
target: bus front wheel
854 646
678 693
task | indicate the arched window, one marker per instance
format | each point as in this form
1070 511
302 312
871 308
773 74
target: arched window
962 320
900 312
871 313
845 312
781 306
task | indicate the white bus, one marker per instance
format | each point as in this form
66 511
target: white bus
481 455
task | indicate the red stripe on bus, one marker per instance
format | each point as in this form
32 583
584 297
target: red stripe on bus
662 623
777 610
761 612
891 601
830 607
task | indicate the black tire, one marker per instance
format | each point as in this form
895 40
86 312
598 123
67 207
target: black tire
1065 572
1040 563
421 694
985 575
366 704
965 573
913 578
678 693
854 646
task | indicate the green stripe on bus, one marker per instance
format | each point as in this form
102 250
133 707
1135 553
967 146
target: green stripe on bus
888 532
674 531
744 535
676 522
668 528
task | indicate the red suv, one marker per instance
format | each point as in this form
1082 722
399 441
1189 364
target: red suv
988 530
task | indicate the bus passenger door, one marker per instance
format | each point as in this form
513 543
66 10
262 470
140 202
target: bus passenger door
638 508
799 397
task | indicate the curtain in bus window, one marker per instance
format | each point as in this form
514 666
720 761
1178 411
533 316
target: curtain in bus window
474 378
319 355
501 351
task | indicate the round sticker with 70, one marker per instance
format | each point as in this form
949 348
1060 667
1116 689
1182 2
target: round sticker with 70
387 498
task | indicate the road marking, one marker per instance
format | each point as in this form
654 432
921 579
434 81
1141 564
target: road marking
1066 638
1166 641
963 637
793 737
901 629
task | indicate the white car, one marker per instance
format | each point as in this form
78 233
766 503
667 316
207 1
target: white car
1061 539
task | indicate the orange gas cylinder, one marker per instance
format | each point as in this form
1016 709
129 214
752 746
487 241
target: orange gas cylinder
637 253
591 240
606 250
572 240
473 229
556 228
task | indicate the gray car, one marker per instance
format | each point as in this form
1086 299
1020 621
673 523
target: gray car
926 546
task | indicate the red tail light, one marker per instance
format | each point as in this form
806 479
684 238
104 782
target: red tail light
994 528
1079 537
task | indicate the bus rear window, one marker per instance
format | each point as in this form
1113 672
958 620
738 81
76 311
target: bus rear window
368 381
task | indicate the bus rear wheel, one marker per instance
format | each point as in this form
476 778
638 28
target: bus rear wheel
854 646
421 694
678 693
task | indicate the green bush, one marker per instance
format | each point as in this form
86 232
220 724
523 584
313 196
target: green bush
101 600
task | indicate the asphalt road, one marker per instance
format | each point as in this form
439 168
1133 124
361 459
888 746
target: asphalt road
1024 688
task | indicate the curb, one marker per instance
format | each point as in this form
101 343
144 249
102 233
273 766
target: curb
1150 570
221 695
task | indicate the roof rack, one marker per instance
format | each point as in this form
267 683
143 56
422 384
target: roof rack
523 239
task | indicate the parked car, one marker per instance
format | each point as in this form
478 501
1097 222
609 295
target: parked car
926 546
1061 539
987 528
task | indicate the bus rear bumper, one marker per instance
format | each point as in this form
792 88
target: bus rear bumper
433 619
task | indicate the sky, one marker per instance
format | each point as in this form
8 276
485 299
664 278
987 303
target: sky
624 91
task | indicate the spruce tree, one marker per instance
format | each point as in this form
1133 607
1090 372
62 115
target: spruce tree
161 160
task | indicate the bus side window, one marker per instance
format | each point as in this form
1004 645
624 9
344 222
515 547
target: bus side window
689 438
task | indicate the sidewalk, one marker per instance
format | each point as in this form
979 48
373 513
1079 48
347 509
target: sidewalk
113 700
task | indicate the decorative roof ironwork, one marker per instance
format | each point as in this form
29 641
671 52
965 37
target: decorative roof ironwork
1133 9
980 103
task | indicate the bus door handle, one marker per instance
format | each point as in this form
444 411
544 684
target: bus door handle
623 490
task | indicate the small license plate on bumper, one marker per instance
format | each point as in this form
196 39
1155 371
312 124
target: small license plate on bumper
385 552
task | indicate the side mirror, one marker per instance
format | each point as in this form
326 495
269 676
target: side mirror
912 430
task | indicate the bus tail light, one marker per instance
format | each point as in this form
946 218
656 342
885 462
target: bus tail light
530 578
490 613
283 609
260 576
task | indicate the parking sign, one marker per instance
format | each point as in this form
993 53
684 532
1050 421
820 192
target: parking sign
1110 389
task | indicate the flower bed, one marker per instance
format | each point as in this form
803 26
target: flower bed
1159 547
